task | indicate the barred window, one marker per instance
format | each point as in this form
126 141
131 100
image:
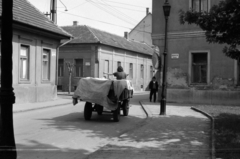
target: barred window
199 67
142 71
46 64
106 68
130 70
24 62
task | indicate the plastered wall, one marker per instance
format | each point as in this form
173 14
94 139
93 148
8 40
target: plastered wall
34 89
97 55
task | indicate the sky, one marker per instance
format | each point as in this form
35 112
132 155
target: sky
113 16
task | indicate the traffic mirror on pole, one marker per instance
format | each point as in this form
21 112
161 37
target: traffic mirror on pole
156 58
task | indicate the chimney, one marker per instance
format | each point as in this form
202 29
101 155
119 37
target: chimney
147 10
126 35
75 23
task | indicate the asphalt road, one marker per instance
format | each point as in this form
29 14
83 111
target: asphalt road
61 132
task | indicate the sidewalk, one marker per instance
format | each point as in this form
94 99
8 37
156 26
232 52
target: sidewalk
40 105
181 134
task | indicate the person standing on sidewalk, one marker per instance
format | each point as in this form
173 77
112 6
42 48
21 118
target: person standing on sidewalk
153 86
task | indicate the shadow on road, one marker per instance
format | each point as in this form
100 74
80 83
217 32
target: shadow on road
101 125
71 136
39 150
168 137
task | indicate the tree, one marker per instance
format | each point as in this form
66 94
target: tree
70 69
221 23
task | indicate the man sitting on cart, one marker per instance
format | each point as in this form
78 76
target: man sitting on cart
120 74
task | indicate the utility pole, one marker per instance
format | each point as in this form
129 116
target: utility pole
7 97
53 9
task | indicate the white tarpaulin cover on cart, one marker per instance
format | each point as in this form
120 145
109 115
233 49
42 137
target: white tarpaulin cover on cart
95 90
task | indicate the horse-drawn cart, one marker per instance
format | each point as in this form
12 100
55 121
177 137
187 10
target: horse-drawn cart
103 95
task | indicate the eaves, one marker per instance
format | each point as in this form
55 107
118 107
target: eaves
112 46
38 31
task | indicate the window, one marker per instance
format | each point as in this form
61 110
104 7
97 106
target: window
60 67
199 67
106 67
200 5
78 67
151 72
46 64
131 70
24 62
142 71
118 63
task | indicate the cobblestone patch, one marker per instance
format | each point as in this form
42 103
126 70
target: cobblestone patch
182 134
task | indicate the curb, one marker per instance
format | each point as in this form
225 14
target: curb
44 107
212 130
140 102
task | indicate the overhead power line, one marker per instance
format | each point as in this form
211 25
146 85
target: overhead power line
101 21
123 7
125 4
63 5
94 20
77 6
121 13
113 14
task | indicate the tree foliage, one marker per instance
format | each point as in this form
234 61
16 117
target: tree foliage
221 23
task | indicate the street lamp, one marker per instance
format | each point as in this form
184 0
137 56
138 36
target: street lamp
166 10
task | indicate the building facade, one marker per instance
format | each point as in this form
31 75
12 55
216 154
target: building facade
93 52
197 72
35 48
142 32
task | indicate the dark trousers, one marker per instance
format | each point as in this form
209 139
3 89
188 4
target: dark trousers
153 93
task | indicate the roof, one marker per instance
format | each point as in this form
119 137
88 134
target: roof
24 12
85 34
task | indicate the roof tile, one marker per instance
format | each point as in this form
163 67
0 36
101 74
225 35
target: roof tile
25 12
86 34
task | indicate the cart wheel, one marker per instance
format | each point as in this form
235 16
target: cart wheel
116 114
88 111
125 107
99 109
